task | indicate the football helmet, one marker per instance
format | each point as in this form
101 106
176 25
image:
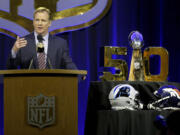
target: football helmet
124 96
168 98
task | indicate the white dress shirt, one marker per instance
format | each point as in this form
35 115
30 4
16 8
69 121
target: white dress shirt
45 41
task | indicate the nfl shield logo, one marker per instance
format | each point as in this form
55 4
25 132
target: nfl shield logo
41 110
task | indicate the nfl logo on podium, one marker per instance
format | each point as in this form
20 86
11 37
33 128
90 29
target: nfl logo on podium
41 110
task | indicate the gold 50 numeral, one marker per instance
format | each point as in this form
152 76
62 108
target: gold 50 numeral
163 53
118 64
121 65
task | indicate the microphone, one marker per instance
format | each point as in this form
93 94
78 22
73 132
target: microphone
40 49
40 38
40 45
49 62
31 63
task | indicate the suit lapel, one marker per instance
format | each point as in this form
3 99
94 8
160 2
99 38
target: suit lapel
50 51
34 52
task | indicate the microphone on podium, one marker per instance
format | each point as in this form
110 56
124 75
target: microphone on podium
40 49
40 45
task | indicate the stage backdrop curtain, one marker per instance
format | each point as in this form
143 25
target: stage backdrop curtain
157 20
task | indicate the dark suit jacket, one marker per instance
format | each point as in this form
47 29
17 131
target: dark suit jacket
57 55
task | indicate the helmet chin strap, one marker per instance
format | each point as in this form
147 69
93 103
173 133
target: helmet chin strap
139 104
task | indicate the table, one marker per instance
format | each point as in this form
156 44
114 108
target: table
101 120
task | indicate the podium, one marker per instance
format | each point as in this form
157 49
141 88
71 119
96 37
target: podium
41 102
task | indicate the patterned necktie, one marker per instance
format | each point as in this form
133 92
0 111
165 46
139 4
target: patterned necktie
41 60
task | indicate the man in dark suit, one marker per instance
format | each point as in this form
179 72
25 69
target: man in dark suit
55 49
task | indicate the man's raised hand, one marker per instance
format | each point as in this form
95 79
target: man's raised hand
20 42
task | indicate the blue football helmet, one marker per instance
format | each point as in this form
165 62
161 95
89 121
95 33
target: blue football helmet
168 98
124 96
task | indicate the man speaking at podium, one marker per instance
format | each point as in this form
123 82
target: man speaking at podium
40 49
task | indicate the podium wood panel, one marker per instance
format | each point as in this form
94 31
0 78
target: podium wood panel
18 87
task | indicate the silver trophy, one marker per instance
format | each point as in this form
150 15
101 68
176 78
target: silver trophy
137 66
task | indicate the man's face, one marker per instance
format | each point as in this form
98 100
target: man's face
41 23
